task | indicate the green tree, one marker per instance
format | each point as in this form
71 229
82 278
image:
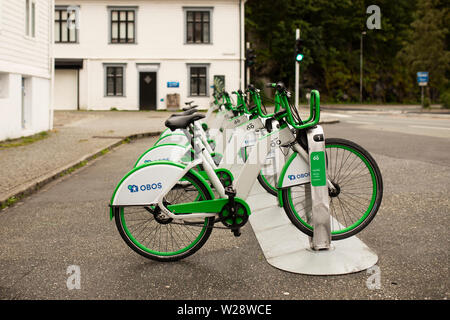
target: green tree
426 47
331 31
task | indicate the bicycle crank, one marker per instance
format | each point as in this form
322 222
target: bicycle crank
234 216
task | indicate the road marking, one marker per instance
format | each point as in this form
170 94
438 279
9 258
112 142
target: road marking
429 127
359 122
339 115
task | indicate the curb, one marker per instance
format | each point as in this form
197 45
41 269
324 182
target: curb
30 188
329 121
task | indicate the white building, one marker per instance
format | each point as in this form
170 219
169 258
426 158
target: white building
25 67
142 54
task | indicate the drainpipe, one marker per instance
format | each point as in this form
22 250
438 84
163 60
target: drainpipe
51 60
242 43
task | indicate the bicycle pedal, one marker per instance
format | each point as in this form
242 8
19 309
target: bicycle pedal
230 191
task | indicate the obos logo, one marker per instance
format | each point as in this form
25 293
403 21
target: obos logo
144 187
298 176
162 159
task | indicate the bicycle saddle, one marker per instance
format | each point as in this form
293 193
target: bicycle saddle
182 122
185 113
189 107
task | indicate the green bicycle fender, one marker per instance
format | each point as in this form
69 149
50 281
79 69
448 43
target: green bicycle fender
213 154
169 134
165 132
205 175
208 188
157 146
280 197
281 178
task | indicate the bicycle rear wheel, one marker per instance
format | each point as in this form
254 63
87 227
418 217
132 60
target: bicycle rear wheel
357 198
165 239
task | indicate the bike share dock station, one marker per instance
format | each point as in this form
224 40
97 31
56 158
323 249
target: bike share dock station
165 208
287 248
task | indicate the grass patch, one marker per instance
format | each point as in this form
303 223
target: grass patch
23 141
8 202
72 169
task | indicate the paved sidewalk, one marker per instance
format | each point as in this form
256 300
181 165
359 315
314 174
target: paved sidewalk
77 136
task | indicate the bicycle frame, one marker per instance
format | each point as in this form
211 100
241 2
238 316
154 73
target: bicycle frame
242 184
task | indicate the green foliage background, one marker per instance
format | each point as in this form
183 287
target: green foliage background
414 36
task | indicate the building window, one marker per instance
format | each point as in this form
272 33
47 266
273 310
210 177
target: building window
198 28
30 18
115 83
65 26
4 85
122 25
198 79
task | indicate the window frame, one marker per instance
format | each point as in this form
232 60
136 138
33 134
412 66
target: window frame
189 73
60 20
30 19
105 70
127 9
210 22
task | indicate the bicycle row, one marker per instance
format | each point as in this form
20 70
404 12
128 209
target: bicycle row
199 174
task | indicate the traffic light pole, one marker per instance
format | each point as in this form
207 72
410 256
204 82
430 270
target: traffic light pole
297 73
247 68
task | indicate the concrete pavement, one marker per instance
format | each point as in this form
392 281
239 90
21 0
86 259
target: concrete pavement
67 223
77 137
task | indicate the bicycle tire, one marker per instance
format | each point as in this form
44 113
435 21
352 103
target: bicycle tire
167 229
262 179
351 192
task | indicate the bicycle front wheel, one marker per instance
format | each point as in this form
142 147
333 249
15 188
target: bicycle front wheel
357 195
163 239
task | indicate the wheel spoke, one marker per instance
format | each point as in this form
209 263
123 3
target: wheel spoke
356 178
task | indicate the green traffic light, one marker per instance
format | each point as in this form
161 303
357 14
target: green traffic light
299 57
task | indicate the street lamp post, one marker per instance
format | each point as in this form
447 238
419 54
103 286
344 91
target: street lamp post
361 67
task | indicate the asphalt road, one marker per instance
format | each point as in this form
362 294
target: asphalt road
67 223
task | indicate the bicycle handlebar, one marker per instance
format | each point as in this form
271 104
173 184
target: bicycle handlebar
314 107
281 101
257 100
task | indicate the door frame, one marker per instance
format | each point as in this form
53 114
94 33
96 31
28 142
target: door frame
77 83
26 102
147 67
72 64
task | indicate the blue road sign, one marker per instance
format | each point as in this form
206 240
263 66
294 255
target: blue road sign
422 78
173 84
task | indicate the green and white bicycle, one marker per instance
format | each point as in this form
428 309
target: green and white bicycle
244 125
166 210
